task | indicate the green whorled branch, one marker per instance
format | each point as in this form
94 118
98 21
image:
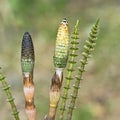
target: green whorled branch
10 99
73 49
88 48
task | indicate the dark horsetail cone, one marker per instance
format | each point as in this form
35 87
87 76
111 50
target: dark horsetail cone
62 45
27 54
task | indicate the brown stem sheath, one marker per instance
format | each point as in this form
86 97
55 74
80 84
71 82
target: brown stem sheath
29 96
56 84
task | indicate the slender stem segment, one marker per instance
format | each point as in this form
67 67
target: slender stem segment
27 64
88 48
73 49
10 99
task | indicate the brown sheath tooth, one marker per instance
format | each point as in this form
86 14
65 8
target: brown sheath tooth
28 79
56 81
29 104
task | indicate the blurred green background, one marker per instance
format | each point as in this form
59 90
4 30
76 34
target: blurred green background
99 97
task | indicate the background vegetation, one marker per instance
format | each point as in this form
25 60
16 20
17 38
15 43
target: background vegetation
99 94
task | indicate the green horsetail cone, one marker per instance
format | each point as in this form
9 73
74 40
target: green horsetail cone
62 45
27 54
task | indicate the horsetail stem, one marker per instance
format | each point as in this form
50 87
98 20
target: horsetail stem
27 64
73 49
88 48
60 60
54 95
10 99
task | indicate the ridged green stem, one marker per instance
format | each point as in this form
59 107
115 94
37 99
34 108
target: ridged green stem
10 99
88 48
72 61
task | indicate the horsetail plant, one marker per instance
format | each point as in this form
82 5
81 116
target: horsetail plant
10 99
74 43
64 48
88 48
60 60
27 64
